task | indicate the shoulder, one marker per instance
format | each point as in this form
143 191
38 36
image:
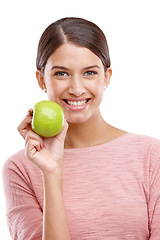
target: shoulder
18 159
143 140
146 145
18 165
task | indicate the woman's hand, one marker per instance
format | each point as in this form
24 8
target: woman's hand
25 125
46 153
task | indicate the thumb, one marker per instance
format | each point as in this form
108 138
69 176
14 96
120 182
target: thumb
62 135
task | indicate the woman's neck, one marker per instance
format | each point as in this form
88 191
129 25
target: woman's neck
93 132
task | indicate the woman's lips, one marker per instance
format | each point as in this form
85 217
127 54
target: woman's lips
76 104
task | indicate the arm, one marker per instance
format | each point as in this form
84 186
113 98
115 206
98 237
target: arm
47 155
55 223
49 158
23 211
154 195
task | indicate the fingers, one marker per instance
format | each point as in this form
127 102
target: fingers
33 136
34 143
32 147
25 125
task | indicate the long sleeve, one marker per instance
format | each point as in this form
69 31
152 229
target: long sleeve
24 212
154 194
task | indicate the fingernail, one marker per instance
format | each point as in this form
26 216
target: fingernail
38 148
30 111
42 145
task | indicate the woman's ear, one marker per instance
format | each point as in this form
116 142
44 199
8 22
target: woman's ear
40 79
108 75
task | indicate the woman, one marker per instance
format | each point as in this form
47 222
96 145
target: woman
92 180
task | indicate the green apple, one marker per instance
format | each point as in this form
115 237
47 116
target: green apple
48 119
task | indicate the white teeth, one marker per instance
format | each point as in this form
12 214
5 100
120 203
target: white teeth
75 103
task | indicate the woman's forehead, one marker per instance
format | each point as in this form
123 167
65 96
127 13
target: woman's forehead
72 55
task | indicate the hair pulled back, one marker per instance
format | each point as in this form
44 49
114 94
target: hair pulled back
77 31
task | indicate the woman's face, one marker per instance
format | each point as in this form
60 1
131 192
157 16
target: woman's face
74 77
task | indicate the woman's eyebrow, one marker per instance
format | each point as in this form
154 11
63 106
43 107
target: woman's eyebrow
92 66
61 67
64 68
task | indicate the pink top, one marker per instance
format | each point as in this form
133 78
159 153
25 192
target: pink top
111 191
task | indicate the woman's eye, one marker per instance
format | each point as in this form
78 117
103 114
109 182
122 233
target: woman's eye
61 74
90 73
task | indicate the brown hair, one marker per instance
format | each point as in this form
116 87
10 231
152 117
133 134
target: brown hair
77 31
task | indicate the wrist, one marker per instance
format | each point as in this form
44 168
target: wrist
54 178
52 166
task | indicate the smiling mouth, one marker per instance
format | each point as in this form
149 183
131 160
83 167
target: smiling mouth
76 102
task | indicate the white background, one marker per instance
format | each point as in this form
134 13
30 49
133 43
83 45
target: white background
133 31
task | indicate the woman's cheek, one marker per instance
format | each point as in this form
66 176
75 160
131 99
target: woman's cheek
55 91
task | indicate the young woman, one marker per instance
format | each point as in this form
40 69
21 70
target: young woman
91 181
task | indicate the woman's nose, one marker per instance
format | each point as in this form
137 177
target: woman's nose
76 86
